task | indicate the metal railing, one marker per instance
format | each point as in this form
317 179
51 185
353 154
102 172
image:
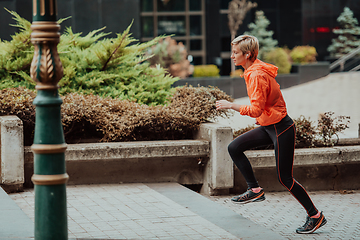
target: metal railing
341 61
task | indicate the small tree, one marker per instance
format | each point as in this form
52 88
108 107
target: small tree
237 13
348 33
258 29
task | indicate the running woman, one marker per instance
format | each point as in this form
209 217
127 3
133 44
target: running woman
267 105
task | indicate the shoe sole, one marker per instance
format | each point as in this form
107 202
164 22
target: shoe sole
258 199
322 223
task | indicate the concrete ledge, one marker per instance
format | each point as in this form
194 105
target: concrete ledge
308 156
132 150
129 162
333 168
12 153
218 177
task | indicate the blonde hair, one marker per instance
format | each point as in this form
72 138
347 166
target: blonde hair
247 43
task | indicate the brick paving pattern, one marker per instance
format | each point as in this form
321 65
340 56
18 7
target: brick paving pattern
126 211
281 213
135 211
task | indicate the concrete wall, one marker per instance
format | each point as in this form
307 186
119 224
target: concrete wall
203 161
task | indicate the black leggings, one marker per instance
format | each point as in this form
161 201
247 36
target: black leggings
282 135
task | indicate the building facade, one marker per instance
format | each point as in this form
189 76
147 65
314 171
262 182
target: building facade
202 25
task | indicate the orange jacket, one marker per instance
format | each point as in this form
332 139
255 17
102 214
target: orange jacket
267 103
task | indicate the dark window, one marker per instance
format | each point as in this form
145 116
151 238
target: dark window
195 25
224 4
195 5
146 5
195 45
197 61
171 25
147 26
226 44
171 5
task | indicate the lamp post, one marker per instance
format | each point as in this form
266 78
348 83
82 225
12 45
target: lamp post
49 146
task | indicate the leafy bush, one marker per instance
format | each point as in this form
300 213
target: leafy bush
93 64
279 58
89 116
171 56
237 73
209 70
329 127
308 135
303 54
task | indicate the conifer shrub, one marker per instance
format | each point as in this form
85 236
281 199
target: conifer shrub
347 34
93 64
112 120
259 30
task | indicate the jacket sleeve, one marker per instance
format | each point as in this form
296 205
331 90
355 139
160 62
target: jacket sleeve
257 92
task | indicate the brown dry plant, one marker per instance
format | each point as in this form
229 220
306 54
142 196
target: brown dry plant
87 117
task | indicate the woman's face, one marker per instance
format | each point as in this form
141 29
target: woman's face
237 56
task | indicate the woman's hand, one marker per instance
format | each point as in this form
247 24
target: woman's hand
223 104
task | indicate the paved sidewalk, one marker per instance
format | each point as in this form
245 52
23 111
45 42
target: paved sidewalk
171 211
152 211
337 92
281 213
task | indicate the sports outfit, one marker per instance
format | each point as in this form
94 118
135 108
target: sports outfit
267 105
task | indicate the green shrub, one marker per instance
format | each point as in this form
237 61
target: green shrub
303 54
279 58
93 64
209 70
109 120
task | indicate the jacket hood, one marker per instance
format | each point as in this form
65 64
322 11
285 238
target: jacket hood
259 65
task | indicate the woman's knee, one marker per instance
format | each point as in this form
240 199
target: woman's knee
231 149
286 181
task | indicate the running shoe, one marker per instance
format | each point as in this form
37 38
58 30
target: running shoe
249 196
312 224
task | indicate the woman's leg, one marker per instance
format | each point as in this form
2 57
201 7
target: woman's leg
251 139
283 135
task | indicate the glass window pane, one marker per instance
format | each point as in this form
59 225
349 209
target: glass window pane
195 25
225 44
197 60
195 5
147 26
195 45
171 25
146 5
224 4
171 5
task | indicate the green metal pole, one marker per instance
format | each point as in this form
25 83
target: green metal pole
49 146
